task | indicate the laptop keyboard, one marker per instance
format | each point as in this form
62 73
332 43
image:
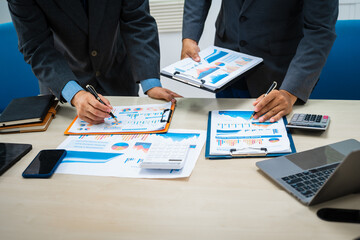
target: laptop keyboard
309 182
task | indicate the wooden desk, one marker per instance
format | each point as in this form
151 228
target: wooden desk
223 199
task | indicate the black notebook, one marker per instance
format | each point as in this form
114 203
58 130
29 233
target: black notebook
26 110
10 153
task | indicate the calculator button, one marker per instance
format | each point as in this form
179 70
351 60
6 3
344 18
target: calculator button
301 117
295 117
312 118
318 118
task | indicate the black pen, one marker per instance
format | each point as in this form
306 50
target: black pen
272 87
92 90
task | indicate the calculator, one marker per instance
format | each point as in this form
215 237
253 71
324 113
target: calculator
166 156
309 121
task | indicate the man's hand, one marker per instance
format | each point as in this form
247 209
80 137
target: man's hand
162 93
274 106
190 49
89 108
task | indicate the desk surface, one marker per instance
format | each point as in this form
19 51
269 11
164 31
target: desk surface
222 199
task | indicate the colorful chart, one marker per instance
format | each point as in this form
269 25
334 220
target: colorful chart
262 124
237 114
219 64
89 157
142 146
215 56
120 146
274 140
215 79
203 72
178 137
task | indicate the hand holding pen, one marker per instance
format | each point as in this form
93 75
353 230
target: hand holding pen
92 90
273 105
272 87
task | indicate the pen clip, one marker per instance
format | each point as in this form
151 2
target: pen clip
272 87
168 117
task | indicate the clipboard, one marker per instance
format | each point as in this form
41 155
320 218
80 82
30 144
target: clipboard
177 76
261 153
166 118
218 69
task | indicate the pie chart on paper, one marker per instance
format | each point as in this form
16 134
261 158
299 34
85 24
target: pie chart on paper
120 146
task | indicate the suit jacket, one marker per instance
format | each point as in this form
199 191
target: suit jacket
294 37
113 48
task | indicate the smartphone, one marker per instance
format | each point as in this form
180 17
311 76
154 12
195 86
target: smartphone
44 164
339 215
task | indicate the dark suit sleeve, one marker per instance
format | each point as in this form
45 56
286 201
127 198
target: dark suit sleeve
36 43
195 13
319 35
139 32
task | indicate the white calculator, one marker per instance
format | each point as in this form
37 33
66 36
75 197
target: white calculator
166 156
309 121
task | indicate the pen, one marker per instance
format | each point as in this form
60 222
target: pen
272 87
92 90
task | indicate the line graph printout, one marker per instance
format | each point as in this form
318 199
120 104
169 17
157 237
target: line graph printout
121 155
139 118
233 130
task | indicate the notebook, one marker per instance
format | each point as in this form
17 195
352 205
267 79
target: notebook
33 127
216 70
319 174
10 153
26 110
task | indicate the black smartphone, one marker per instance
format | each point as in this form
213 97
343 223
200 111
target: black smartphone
44 164
339 215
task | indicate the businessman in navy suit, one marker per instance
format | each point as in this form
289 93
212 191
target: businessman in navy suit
294 37
110 44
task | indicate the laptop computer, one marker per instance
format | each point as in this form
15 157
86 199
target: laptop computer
319 174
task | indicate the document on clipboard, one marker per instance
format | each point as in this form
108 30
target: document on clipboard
151 118
217 68
231 134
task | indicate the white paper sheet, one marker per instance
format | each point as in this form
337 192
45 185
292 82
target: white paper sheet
217 67
233 129
121 155
138 118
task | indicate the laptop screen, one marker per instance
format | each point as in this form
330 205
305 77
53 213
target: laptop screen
316 157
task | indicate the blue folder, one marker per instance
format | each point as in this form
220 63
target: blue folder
207 148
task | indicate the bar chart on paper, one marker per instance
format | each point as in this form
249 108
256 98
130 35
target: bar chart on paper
131 119
233 130
121 155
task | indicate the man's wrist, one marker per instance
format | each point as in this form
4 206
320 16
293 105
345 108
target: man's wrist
150 83
70 89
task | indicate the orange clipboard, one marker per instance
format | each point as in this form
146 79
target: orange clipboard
164 130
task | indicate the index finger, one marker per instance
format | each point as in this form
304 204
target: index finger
105 100
264 101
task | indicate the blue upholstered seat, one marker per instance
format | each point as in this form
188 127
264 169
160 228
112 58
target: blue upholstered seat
340 77
17 79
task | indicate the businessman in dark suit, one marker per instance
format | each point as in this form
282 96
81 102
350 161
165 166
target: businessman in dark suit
294 37
110 44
